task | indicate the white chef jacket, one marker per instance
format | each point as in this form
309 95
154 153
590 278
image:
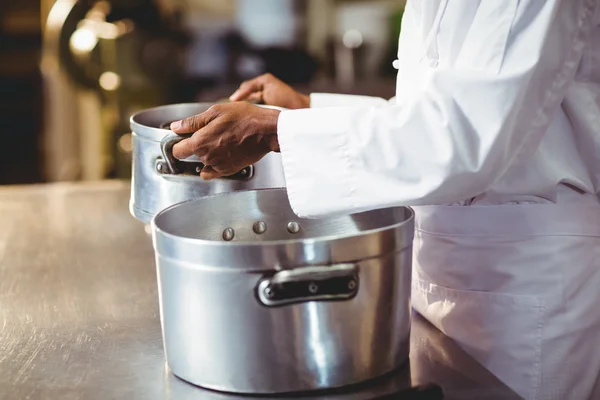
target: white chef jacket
497 101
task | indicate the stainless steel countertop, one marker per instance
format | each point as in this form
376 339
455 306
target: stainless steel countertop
79 312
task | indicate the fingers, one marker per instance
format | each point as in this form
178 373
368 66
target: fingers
194 123
208 173
256 98
248 88
184 149
195 145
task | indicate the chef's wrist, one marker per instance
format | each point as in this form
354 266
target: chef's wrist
296 101
305 100
269 129
273 142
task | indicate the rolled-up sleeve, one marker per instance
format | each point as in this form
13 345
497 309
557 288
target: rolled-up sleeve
457 135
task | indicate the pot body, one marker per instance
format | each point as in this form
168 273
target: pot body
153 190
277 315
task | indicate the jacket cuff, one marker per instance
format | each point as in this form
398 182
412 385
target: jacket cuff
314 190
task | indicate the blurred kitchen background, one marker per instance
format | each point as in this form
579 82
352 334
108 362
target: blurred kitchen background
72 72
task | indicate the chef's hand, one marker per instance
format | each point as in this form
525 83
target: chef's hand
271 91
228 137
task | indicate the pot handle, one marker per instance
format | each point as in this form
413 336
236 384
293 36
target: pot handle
323 282
169 165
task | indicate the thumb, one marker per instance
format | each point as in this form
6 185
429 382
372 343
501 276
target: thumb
191 124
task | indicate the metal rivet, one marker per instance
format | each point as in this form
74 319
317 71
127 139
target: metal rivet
228 234
259 227
269 292
159 167
244 172
293 227
313 288
198 170
352 284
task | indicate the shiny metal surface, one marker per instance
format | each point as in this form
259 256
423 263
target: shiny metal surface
212 323
153 190
323 305
79 315
317 241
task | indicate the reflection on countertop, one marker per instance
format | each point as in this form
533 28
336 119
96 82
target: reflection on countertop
79 315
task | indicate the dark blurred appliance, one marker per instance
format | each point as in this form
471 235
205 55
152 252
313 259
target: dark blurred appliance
290 64
270 37
20 91
264 36
103 61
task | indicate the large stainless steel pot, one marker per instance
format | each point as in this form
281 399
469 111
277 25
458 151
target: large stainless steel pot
255 300
159 180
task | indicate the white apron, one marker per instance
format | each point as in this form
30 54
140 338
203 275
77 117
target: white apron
518 288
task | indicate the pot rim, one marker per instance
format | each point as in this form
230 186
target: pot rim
320 240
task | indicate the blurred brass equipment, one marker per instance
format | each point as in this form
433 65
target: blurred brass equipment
102 61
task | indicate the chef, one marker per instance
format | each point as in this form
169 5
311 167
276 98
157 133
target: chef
494 139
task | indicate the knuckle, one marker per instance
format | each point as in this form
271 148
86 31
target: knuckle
202 149
272 79
187 123
213 160
215 110
191 122
208 159
196 143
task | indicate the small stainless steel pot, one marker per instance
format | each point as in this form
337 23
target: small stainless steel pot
160 180
255 300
